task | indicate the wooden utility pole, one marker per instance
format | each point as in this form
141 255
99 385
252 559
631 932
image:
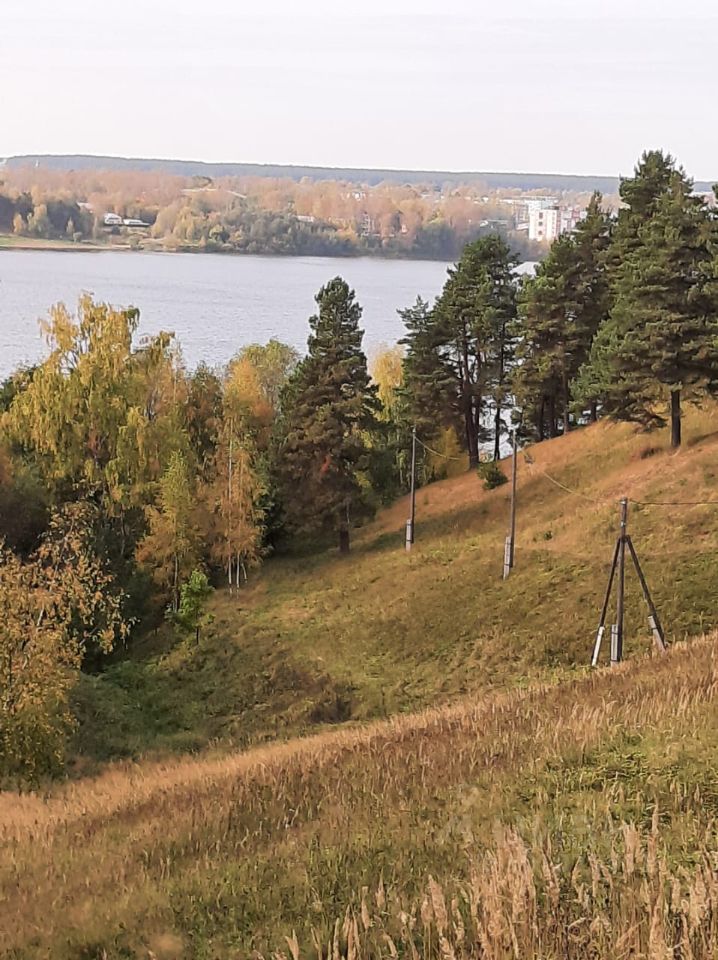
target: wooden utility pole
412 496
510 540
229 507
618 571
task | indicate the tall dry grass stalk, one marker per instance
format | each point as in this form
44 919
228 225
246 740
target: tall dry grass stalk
519 904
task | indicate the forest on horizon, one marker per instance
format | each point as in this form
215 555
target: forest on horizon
261 214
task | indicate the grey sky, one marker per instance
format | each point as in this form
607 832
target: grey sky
578 86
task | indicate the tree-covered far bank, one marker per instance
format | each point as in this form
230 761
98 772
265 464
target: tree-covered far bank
257 215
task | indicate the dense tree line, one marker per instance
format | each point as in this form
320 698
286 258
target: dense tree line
25 214
129 486
620 320
259 214
128 475
460 352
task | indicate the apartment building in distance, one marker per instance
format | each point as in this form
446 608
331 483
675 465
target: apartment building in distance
544 223
548 221
543 217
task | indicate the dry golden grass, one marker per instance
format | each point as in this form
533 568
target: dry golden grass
453 819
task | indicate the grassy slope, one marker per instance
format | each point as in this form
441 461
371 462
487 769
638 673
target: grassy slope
574 818
322 639
564 820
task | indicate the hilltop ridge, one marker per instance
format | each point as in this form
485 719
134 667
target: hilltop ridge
366 175
493 179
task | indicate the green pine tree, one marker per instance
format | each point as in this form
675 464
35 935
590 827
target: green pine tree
640 195
474 318
328 405
427 381
598 384
663 330
561 310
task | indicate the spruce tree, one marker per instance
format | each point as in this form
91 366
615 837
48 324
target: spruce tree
329 404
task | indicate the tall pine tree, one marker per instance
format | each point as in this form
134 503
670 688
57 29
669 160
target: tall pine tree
328 405
663 331
561 310
473 319
427 381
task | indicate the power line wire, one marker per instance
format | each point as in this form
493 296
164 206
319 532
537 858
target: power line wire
673 503
639 503
574 493
436 452
602 501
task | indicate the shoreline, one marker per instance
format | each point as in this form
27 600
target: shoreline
26 244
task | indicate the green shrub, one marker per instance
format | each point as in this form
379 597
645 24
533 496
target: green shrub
492 475
193 596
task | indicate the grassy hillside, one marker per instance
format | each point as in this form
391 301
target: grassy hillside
565 820
320 639
515 804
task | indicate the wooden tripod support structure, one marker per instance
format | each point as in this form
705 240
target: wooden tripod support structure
618 567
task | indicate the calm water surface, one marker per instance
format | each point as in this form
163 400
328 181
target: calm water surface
214 304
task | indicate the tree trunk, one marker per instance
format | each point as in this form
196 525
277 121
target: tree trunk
472 440
566 421
499 397
566 401
476 409
552 425
343 540
541 424
497 432
467 402
594 411
675 418
175 585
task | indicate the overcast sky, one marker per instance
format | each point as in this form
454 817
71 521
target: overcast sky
574 86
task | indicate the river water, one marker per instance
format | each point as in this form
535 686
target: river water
215 304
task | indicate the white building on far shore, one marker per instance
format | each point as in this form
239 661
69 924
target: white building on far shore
544 223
